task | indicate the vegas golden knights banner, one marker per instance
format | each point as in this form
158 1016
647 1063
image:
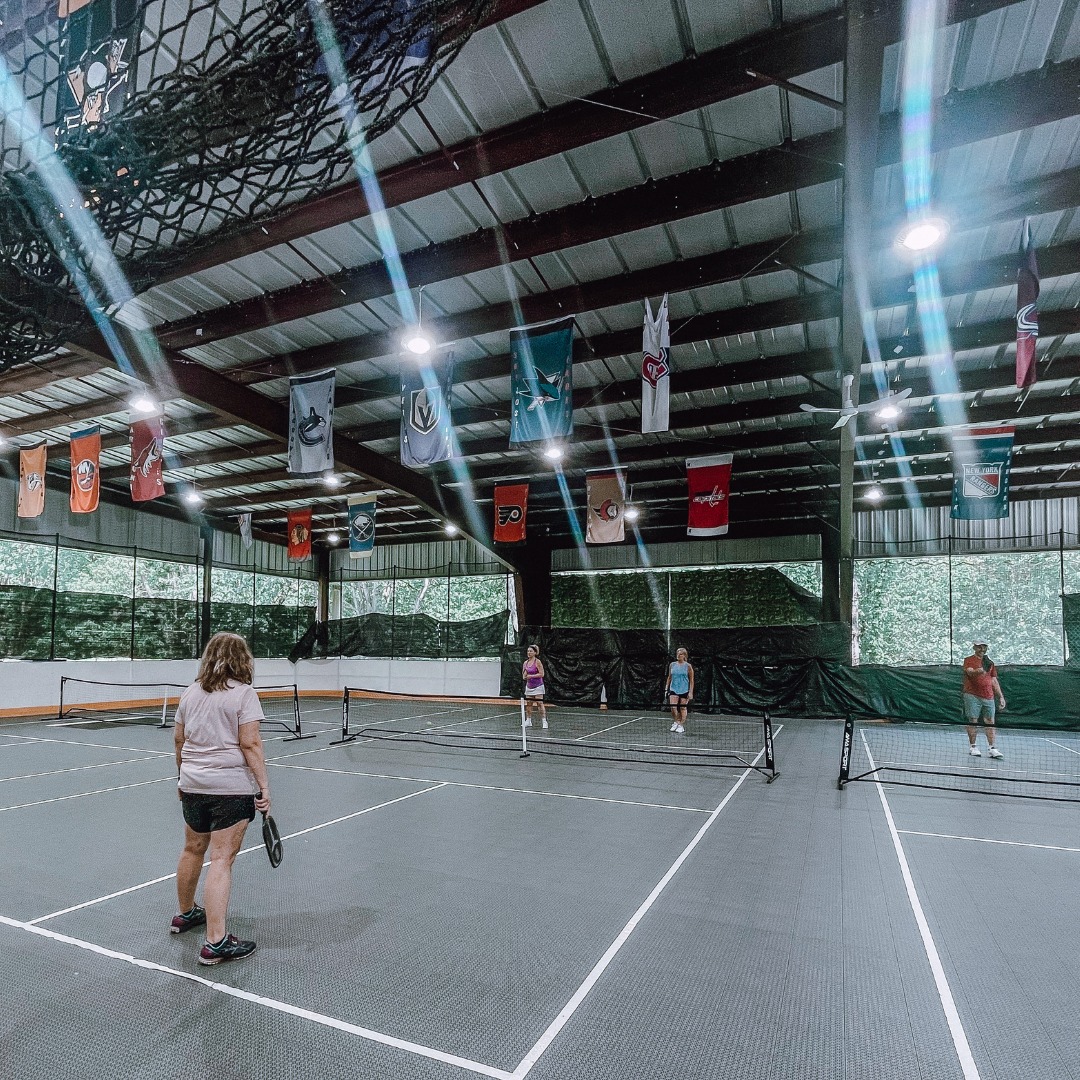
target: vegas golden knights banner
511 502
605 502
147 447
32 481
299 535
85 458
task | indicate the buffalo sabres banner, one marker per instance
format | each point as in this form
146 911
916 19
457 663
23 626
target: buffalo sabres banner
147 446
981 462
426 431
361 526
311 423
511 501
32 481
1027 313
655 370
605 505
85 470
299 530
541 381
245 530
709 481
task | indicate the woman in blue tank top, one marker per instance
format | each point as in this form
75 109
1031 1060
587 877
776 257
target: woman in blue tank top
679 689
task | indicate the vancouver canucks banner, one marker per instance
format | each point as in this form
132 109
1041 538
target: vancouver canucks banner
426 430
361 526
1027 313
32 481
299 532
85 458
709 481
605 505
511 502
147 446
311 423
541 381
655 370
981 462
245 530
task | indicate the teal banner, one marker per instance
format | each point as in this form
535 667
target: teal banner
541 381
981 463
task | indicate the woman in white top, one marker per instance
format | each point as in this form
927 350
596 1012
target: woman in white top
223 781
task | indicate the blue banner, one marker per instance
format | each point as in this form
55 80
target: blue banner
981 462
541 381
427 433
361 526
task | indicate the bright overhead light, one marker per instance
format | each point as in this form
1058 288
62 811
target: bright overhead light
888 412
418 341
631 513
193 497
554 453
451 529
874 494
922 235
331 481
333 537
144 403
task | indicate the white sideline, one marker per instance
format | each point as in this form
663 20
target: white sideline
987 840
77 768
83 794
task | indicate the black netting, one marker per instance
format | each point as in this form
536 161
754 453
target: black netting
92 626
25 622
166 629
270 629
1070 615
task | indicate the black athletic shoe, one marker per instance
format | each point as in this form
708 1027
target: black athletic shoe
229 947
195 917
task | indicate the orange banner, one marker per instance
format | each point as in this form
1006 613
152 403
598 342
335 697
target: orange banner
85 470
32 482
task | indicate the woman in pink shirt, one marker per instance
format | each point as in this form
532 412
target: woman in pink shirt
223 781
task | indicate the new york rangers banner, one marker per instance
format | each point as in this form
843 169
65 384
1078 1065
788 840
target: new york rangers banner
245 530
511 502
709 481
1027 313
655 370
147 446
311 423
299 529
32 481
981 462
361 526
606 503
426 429
85 470
541 381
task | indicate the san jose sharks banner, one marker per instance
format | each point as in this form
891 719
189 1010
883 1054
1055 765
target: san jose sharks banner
32 481
981 463
427 434
605 506
1027 313
147 447
361 526
655 369
511 503
709 481
245 530
311 423
299 533
541 381
85 458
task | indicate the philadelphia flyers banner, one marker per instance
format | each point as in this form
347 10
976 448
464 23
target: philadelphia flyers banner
85 470
709 480
299 535
511 501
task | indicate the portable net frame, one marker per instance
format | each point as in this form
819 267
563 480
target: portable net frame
95 703
500 724
281 711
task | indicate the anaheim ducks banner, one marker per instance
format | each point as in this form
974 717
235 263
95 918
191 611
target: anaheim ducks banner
605 503
32 481
147 446
709 481
299 527
981 463
311 423
85 455
511 502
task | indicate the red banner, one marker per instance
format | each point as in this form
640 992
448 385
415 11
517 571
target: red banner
299 534
32 481
147 446
511 502
85 470
709 480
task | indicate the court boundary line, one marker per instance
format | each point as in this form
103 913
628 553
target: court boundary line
100 746
77 768
84 794
988 840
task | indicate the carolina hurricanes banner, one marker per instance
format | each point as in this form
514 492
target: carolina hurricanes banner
245 530
361 526
32 481
1027 314
709 481
147 446
655 370
511 502
981 463
541 381
426 430
299 528
605 503
85 470
311 423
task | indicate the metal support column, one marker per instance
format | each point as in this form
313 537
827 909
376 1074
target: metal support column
206 539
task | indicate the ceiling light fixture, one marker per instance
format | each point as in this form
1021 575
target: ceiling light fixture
332 481
143 403
631 513
888 412
333 537
451 529
193 497
922 235
416 339
874 494
554 453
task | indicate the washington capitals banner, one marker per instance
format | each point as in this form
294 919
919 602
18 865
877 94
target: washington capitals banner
541 381
426 431
245 530
299 532
147 446
361 526
311 423
85 458
981 462
709 481
32 481
605 506
1027 314
655 370
511 502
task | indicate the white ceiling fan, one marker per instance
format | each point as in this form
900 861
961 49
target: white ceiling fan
847 409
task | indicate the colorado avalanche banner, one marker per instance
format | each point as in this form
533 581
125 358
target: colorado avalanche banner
85 457
605 506
541 381
299 531
32 481
426 430
311 423
709 481
981 462
147 446
655 370
1027 314
511 502
245 530
361 526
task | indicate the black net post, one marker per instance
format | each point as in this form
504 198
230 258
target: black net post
346 735
770 761
845 752
55 586
207 586
1061 583
134 586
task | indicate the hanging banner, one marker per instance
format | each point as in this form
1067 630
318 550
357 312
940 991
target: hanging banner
299 531
709 481
427 432
981 463
147 447
541 381
361 526
511 502
605 505
655 370
1027 313
311 423
245 531
32 481
85 455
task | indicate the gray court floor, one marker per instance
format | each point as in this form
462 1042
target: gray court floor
453 914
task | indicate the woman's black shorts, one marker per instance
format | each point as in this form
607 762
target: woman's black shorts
212 813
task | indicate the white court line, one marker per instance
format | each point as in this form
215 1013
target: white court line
1071 749
83 794
269 1003
613 727
948 1004
985 840
77 768
98 745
